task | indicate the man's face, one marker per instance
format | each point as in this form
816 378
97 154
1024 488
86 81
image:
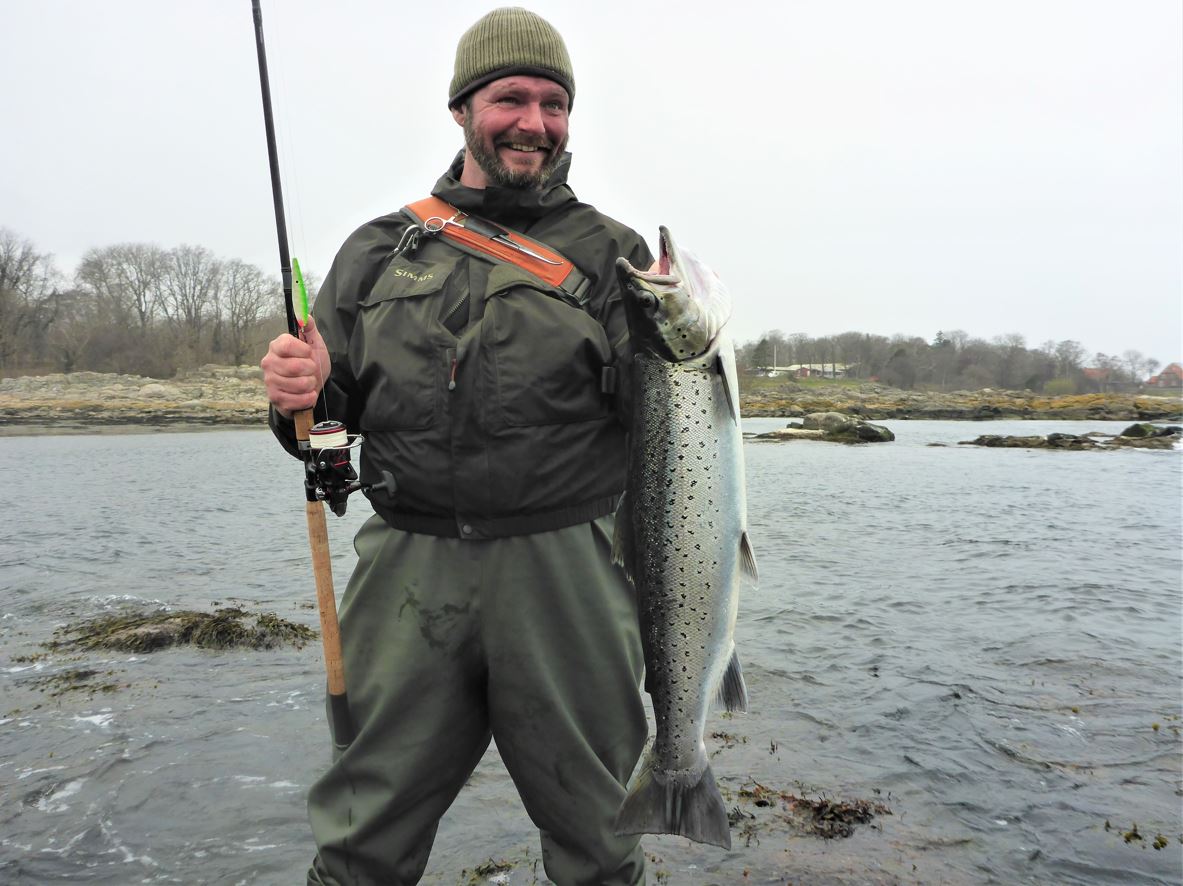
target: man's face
515 131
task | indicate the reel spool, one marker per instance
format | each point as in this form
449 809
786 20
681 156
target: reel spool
330 476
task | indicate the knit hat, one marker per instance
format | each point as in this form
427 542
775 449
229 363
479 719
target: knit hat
507 41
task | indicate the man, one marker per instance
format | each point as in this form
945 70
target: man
484 602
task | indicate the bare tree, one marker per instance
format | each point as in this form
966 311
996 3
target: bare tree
192 288
77 319
128 278
1012 363
1069 357
27 279
1135 364
1108 366
247 297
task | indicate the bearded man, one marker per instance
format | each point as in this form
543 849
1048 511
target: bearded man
484 603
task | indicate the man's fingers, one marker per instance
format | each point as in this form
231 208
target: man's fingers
319 350
292 379
290 395
289 366
289 346
294 370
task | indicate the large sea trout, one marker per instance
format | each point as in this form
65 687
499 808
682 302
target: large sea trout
681 534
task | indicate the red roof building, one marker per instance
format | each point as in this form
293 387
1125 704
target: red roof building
1171 377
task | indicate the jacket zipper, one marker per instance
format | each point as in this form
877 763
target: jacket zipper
456 307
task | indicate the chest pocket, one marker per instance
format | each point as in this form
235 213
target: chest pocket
546 354
398 358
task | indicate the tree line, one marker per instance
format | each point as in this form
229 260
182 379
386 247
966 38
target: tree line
133 308
953 360
142 309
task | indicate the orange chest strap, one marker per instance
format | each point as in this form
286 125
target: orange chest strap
438 218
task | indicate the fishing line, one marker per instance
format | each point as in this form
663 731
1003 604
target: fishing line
290 149
289 173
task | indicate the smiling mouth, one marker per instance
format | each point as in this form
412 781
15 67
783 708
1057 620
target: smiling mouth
524 148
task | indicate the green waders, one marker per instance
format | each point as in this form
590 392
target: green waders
532 640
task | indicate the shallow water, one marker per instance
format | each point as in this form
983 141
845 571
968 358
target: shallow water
981 639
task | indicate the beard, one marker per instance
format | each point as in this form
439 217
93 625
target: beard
500 174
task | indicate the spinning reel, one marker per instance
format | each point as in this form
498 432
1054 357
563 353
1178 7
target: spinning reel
328 474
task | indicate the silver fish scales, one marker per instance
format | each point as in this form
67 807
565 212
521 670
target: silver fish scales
681 535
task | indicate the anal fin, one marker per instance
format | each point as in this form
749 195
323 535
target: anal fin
733 692
747 559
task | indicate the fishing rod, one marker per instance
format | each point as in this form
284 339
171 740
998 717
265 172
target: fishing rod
324 447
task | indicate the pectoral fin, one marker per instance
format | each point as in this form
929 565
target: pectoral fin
623 545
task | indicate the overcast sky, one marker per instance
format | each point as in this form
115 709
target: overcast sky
872 165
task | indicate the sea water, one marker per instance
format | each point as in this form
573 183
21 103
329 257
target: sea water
986 642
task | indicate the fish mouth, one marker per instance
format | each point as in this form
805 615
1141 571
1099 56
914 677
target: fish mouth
667 263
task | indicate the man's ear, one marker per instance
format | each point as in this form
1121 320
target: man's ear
459 112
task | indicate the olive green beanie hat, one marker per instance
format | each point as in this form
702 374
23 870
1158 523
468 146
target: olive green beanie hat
507 41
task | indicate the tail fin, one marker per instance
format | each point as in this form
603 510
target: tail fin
657 805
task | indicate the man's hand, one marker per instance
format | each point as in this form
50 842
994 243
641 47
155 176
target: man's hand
294 371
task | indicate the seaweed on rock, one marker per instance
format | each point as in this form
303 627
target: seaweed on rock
225 628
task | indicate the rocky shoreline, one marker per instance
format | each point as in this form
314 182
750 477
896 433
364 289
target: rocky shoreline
212 396
233 395
876 402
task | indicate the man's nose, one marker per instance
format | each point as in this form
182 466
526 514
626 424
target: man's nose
530 118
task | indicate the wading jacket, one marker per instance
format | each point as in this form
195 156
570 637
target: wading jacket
475 385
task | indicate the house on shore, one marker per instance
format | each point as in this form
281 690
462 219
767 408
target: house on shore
1171 377
808 370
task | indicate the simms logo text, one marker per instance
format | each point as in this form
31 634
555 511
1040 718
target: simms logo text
418 278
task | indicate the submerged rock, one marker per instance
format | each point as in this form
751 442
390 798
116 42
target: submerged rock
1155 438
225 628
821 816
76 680
1051 441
